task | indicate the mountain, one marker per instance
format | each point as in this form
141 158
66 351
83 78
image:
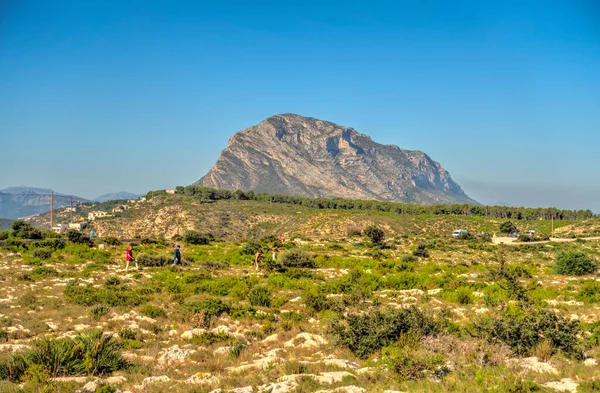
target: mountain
295 155
19 202
122 195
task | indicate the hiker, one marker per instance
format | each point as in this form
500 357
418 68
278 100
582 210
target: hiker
275 252
258 258
177 256
129 257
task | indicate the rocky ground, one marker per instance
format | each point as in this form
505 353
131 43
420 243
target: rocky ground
206 327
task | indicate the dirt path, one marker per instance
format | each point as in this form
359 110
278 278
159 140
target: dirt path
511 241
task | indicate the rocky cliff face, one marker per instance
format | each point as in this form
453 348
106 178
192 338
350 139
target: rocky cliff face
295 155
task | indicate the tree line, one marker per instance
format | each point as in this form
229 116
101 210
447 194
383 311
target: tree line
507 212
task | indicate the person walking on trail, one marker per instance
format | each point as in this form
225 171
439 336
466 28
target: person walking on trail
177 256
258 258
129 257
275 252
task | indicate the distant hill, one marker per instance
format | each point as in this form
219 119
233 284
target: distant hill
122 195
294 155
19 202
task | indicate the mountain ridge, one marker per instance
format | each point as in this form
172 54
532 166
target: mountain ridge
295 155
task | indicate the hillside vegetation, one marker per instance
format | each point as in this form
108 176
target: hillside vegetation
238 215
393 303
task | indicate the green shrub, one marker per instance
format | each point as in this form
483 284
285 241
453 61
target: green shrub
412 366
127 333
52 244
193 237
79 238
375 234
260 296
42 253
42 272
24 230
421 251
296 258
29 300
151 260
589 292
250 248
592 386
152 311
367 333
574 263
106 389
464 295
209 308
315 299
112 241
524 330
508 227
91 353
98 311
113 296
5 234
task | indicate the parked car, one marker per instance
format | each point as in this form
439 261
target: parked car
514 234
482 236
459 232
530 233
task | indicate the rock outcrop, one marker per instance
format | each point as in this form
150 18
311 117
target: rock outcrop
294 155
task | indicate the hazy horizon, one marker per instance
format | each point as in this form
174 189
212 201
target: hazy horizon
134 96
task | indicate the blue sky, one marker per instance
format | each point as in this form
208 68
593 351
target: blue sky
103 96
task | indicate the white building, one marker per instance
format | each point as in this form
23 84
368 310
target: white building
60 228
78 226
93 215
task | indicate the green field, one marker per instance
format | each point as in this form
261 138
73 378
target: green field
418 312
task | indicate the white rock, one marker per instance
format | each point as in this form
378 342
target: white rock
90 387
564 385
245 389
149 380
343 363
279 387
175 355
116 380
188 334
392 391
222 350
52 326
306 340
590 362
534 365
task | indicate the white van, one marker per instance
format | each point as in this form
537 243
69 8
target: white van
459 232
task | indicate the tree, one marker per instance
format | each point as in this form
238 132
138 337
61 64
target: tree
508 227
25 230
376 235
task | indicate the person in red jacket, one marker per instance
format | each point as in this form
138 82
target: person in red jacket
129 257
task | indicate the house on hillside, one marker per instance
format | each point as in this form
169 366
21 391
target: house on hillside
78 226
60 228
95 214
172 192
120 209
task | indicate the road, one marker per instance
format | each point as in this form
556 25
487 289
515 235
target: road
511 241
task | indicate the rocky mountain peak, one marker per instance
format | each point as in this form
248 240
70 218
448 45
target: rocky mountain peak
296 155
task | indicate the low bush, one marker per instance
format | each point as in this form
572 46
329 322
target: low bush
198 238
574 263
296 258
79 238
91 353
152 260
112 241
421 251
524 330
113 296
315 299
375 234
152 311
260 296
250 248
366 333
464 296
589 292
42 272
52 244
208 308
98 311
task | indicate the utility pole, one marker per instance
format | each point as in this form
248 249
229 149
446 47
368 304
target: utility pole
51 209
